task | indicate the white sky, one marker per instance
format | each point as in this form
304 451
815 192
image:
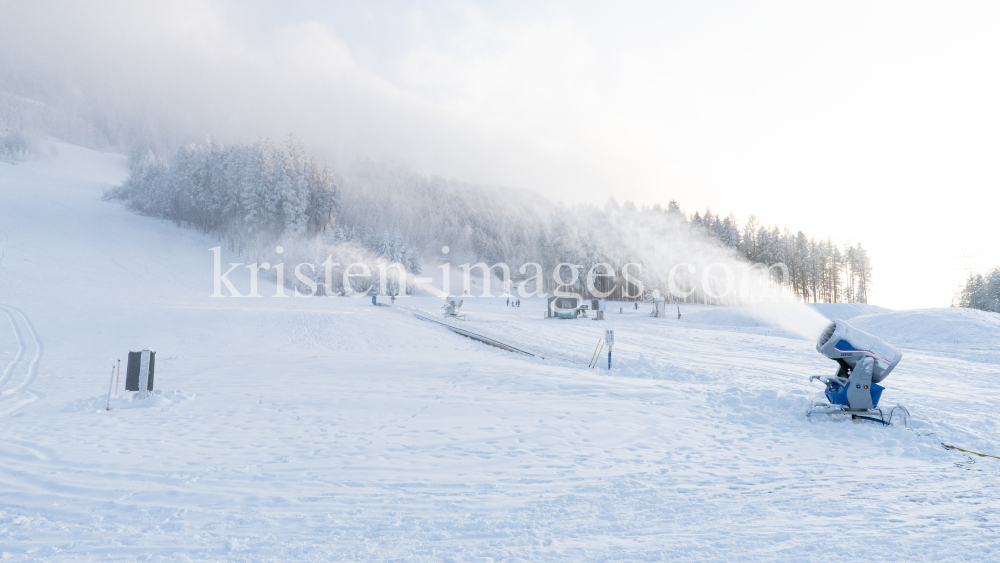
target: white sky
877 122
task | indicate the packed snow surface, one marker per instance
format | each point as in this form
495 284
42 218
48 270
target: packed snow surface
327 429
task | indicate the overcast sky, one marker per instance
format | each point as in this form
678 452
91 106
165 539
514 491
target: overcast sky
861 121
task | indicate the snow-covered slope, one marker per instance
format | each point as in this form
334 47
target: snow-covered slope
963 333
847 311
327 429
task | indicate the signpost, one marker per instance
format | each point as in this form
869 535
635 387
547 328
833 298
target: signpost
609 338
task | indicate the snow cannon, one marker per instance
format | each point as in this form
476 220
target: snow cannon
452 309
863 361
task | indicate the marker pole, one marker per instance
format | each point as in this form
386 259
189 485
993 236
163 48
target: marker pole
609 358
594 356
117 376
110 385
598 356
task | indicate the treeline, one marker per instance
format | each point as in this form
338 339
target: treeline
13 146
251 195
980 292
256 196
819 271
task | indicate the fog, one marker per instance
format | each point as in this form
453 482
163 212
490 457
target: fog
163 75
760 109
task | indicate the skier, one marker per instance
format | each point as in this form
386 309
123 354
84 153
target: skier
508 302
636 305
373 298
518 302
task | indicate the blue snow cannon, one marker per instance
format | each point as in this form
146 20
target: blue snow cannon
863 361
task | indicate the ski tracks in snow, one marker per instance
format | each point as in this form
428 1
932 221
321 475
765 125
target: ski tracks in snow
16 378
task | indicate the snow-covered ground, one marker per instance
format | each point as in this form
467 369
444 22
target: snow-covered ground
327 429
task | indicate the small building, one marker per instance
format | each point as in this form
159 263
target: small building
564 307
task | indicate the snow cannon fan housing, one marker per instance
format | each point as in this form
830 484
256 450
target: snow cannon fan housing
452 308
864 361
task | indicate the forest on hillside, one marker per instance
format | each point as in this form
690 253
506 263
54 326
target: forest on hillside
257 195
980 292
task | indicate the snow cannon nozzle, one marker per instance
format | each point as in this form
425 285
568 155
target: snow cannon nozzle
845 344
863 360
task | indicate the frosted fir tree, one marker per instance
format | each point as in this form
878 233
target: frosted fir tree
749 240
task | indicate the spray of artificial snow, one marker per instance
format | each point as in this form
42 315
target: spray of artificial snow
678 258
797 318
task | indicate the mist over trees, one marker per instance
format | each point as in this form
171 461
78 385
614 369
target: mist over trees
251 195
819 271
256 196
23 117
13 146
980 292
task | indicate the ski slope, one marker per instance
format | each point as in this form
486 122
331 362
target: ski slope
326 429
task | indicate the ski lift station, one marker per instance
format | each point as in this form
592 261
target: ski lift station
573 308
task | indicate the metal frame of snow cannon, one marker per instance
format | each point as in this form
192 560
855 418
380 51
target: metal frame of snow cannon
863 361
451 308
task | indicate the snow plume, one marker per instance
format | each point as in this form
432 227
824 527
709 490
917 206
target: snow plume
664 253
793 316
684 264
669 256
273 205
260 196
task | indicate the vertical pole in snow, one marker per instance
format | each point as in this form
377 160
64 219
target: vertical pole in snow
597 357
594 357
609 337
118 374
110 385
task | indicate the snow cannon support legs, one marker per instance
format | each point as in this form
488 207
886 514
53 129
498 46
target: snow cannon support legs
856 391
